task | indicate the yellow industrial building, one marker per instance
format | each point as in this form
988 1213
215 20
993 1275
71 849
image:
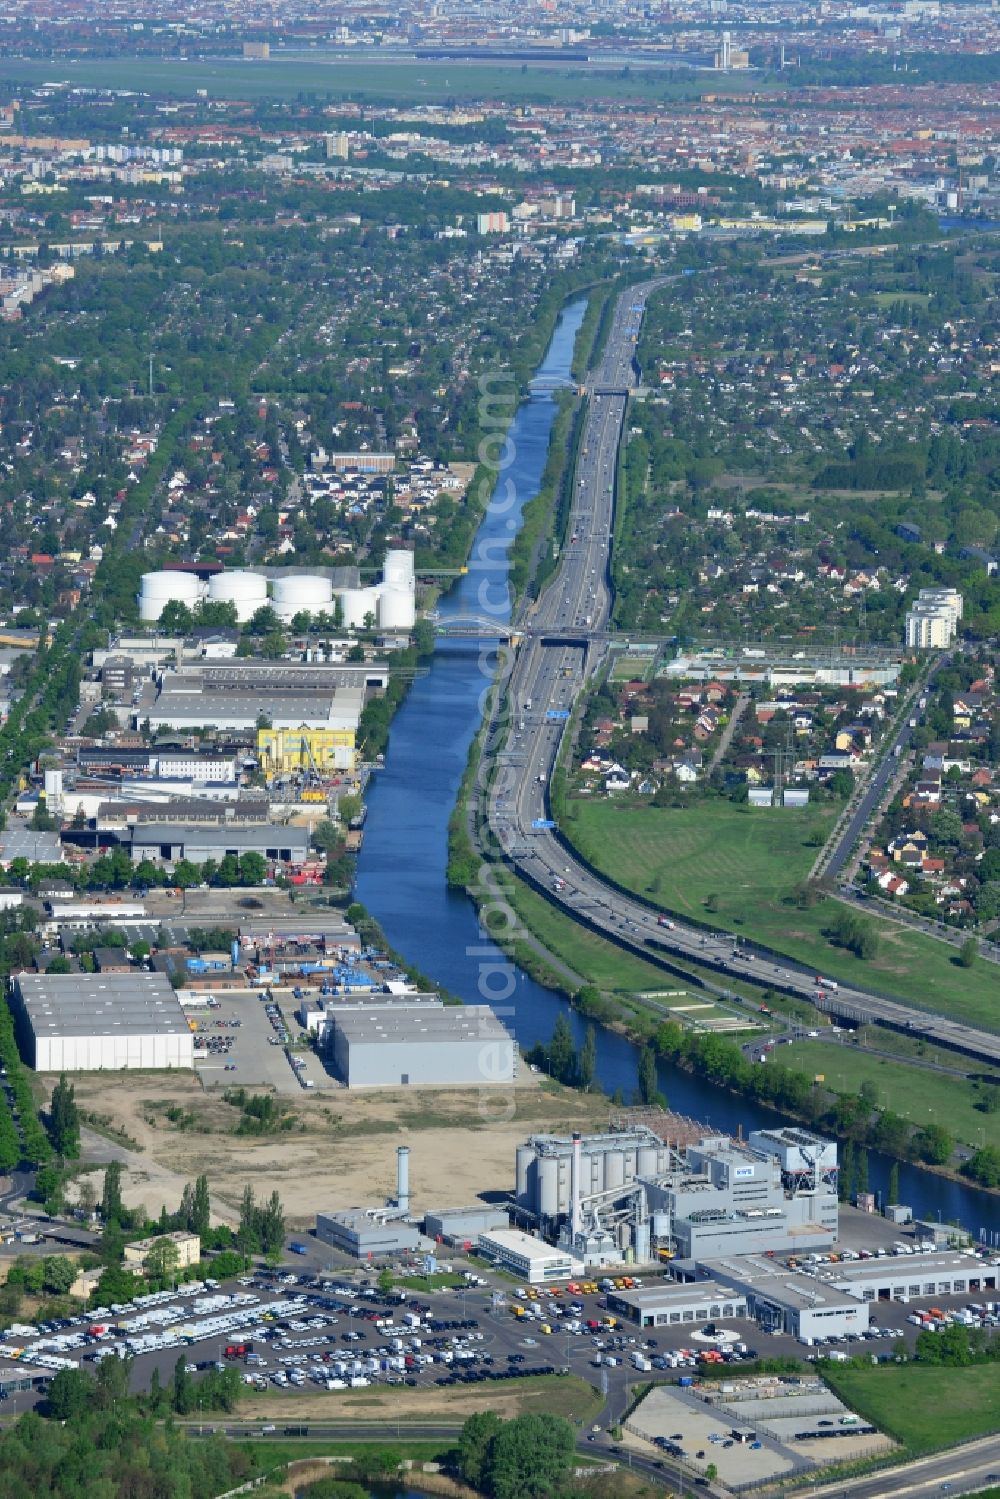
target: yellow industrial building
285 751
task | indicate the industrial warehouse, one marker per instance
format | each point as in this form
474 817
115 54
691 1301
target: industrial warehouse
85 1022
411 1040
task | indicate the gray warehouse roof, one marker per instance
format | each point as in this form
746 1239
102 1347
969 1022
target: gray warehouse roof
37 848
99 1004
226 706
252 835
439 1024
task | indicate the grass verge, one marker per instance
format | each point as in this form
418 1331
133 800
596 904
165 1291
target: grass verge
918 1094
738 868
924 1407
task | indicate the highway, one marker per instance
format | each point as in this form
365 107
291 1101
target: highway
561 649
959 1470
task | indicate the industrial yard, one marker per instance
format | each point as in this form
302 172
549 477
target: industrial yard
344 1152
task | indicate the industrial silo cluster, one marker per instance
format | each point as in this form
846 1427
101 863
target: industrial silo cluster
390 605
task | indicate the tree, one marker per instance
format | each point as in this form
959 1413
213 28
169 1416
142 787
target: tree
200 1217
272 1225
862 1173
64 1120
385 1281
162 1260
933 1144
647 1075
112 1206
113 1374
183 1397
984 1167
477 1434
968 953
587 1067
893 1194
58 1274
186 874
70 1394
248 1233
528 1457
845 1183
562 1052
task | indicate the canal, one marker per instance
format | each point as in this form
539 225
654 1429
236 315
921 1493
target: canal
401 876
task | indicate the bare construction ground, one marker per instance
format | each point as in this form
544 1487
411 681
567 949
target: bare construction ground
337 1152
564 1397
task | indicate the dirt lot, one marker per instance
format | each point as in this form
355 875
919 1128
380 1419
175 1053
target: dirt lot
340 1153
563 1397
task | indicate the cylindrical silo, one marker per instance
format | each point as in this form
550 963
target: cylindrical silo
640 1241
156 590
396 609
397 571
548 1186
523 1156
646 1161
299 592
357 604
614 1168
53 790
248 591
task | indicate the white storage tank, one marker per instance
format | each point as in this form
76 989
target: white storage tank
299 592
523 1156
157 590
356 603
53 791
548 1186
248 591
614 1168
646 1162
397 570
396 609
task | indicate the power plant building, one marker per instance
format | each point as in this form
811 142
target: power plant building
86 1022
629 1192
365 1233
421 1043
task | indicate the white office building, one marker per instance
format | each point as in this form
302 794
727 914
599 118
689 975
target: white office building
528 1258
932 622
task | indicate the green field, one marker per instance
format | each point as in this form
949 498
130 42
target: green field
598 961
923 1407
914 1092
394 80
747 863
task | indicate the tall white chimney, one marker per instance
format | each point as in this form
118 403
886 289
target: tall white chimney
575 1224
403 1178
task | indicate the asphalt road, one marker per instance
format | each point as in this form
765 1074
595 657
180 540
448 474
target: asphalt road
876 788
963 1470
560 651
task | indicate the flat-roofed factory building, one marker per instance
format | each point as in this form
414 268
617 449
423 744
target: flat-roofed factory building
86 1022
393 1045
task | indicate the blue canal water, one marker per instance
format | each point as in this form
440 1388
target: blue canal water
401 874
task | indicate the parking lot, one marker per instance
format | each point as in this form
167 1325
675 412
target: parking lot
753 1430
242 1038
314 1329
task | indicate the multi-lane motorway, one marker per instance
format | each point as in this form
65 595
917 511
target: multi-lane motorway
560 650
